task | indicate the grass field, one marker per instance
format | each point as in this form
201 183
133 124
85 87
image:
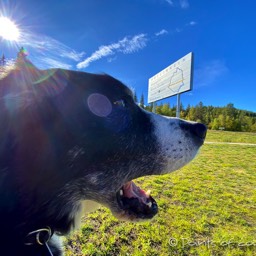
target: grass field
236 137
206 208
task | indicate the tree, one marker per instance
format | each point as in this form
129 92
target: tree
2 61
22 55
142 103
166 110
230 110
150 107
199 112
215 124
191 114
135 97
159 109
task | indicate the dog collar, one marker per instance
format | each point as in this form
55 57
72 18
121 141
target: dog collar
40 237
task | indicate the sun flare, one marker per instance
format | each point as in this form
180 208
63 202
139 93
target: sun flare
8 29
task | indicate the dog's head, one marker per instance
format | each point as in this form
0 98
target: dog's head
82 136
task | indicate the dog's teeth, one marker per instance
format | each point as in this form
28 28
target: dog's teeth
148 192
121 192
149 204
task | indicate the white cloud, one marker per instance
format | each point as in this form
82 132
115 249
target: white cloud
161 32
51 63
45 44
73 55
112 59
126 46
192 23
170 2
47 51
209 72
184 4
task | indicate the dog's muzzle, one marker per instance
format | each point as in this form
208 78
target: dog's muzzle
196 130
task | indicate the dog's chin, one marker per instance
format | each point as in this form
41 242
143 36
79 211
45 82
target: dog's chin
131 203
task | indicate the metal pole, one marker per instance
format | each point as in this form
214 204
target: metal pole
178 106
154 107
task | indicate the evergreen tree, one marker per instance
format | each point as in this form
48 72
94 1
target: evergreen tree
142 103
22 55
2 61
135 97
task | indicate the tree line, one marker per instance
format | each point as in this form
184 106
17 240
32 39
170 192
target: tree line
226 118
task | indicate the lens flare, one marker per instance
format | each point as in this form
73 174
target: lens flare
8 29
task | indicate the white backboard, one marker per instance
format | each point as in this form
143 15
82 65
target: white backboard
174 79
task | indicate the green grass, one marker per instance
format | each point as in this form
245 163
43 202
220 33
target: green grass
236 137
206 208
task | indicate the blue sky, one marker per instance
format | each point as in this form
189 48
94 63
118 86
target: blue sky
133 40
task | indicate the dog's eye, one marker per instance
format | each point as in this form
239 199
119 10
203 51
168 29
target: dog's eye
119 103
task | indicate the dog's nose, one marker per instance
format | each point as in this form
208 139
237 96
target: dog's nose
197 129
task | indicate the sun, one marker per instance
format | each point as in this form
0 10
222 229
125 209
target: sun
8 29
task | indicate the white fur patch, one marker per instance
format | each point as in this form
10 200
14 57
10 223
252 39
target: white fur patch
175 147
89 206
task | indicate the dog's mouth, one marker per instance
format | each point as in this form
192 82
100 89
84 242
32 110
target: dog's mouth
135 203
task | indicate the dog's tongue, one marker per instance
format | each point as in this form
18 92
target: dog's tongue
136 203
130 190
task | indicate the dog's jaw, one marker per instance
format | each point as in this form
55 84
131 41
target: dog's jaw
177 144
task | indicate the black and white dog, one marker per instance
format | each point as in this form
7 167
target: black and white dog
67 136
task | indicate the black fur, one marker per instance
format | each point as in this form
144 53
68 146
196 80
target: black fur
66 136
50 139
